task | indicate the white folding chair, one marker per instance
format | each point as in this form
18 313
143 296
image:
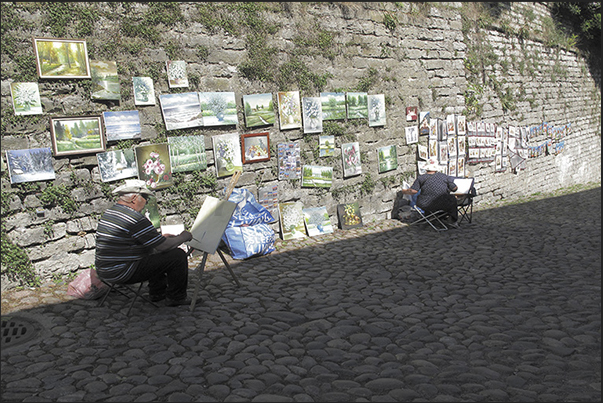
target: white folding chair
431 218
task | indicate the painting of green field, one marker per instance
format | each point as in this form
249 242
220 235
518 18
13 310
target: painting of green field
81 135
317 176
259 110
357 103
333 105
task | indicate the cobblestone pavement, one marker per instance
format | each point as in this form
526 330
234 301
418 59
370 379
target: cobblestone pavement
507 308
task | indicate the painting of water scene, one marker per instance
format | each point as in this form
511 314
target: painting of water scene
259 110
26 98
317 176
357 103
30 165
187 153
219 108
317 221
333 105
122 125
105 81
326 146
181 110
388 158
117 164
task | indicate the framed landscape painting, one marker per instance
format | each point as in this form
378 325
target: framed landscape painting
388 158
292 220
154 167
255 147
219 108
317 221
181 110
289 109
118 164
26 98
317 177
187 153
333 105
122 125
76 135
259 110
357 103
29 165
105 81
227 154
61 58
376 105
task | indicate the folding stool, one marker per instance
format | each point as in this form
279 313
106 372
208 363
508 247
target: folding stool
136 291
431 218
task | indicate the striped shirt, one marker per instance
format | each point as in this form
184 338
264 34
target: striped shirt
123 237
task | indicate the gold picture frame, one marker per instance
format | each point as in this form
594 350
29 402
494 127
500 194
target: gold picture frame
61 58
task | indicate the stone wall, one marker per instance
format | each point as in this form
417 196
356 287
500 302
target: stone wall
413 53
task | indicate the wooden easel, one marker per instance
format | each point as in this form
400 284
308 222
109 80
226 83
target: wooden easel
201 266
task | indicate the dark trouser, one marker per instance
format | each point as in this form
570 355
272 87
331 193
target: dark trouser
167 273
446 202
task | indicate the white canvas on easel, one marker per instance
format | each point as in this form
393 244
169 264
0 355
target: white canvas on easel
210 224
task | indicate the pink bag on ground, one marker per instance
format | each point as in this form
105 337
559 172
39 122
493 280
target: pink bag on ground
87 285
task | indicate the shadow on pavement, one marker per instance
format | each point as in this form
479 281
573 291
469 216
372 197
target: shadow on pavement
504 309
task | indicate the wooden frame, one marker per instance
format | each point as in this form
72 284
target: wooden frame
77 135
255 147
61 58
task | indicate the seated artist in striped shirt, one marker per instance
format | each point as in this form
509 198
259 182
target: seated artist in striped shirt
129 249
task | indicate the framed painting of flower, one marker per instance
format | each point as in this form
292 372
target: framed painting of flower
154 167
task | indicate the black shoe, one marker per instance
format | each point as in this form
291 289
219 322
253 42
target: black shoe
157 298
177 302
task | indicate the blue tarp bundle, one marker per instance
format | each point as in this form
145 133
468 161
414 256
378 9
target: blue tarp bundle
248 233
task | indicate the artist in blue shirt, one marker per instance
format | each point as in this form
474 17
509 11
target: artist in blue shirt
435 188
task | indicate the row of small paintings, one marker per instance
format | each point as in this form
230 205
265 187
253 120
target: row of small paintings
196 109
299 222
155 163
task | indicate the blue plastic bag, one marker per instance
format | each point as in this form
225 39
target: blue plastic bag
248 233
